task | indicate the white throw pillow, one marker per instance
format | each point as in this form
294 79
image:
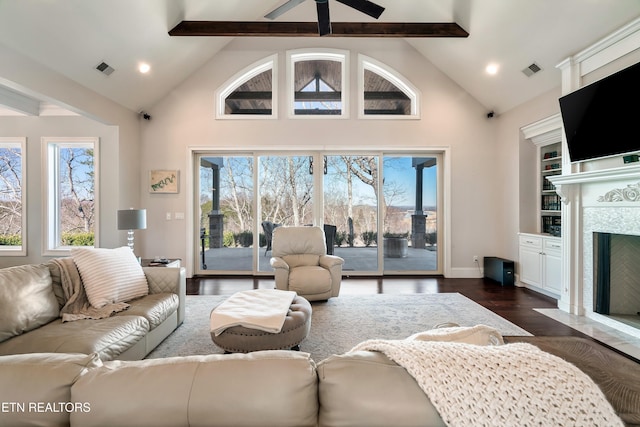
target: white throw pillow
478 335
110 275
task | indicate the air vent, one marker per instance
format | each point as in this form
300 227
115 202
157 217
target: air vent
105 68
531 70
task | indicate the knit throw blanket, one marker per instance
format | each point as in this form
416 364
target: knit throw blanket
77 306
262 309
506 385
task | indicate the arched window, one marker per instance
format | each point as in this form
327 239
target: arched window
383 92
251 93
317 83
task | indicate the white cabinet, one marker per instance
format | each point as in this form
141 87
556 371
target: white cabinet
540 258
531 260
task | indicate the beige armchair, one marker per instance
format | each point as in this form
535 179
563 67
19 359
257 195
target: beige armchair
301 263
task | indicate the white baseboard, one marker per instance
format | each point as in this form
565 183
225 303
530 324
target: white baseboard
467 273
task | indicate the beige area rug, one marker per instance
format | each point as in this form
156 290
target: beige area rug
339 324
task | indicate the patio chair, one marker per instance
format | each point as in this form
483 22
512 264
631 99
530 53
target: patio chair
302 265
330 237
268 227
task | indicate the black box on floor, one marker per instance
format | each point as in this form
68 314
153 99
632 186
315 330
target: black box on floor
499 269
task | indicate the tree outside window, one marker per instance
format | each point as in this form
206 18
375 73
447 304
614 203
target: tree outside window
11 196
72 193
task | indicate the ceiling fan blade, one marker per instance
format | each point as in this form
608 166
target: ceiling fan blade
364 6
324 22
282 9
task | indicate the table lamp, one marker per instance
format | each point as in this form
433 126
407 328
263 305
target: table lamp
132 219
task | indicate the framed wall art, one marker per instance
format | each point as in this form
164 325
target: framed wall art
163 181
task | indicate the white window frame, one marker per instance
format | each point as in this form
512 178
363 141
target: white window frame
388 73
240 78
341 56
20 142
51 215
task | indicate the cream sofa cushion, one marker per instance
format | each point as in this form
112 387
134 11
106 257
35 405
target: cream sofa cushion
38 387
365 388
262 388
27 300
110 275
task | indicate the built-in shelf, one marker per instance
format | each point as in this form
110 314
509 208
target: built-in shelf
546 135
550 156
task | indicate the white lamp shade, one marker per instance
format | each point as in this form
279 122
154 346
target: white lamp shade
132 219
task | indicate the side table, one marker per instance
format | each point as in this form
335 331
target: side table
172 262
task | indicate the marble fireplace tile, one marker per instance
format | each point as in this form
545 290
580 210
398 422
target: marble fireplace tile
626 343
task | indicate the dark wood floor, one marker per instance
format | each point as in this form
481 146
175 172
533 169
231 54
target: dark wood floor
514 303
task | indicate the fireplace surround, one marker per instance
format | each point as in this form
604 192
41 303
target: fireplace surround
617 277
596 203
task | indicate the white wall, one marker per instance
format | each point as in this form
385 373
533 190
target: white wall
518 160
34 128
450 118
117 128
487 157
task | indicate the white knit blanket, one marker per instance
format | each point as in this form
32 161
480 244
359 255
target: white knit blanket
262 309
506 385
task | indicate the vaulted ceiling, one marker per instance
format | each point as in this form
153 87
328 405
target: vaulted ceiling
72 37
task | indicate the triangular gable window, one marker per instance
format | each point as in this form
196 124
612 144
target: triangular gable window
317 97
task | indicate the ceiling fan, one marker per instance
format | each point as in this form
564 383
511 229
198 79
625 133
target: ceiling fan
322 6
324 27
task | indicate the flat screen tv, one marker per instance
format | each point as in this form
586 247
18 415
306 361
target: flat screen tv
603 118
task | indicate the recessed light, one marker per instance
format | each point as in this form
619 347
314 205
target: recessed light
492 69
144 68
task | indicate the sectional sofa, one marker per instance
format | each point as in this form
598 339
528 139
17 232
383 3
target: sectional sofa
87 373
266 388
33 303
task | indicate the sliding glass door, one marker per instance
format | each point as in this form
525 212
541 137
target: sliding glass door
410 207
225 225
379 211
350 209
285 192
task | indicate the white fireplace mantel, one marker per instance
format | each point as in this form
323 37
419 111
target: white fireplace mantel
617 174
564 183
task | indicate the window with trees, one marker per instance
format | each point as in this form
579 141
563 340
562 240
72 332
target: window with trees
12 197
72 173
384 92
250 93
317 83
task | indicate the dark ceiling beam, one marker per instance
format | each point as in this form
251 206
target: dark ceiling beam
310 29
318 96
250 95
385 96
253 111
